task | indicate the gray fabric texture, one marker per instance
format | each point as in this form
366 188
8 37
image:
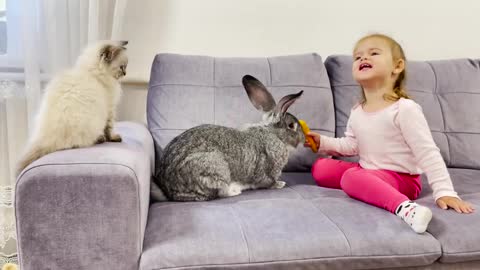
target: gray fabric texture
186 91
301 226
458 234
286 228
86 208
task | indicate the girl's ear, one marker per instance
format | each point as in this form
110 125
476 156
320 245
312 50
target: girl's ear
399 66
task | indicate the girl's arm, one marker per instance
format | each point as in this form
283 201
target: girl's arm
417 134
345 146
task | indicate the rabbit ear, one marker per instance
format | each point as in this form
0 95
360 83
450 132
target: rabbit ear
258 94
286 101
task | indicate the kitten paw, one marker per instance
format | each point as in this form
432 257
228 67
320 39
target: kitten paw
115 138
278 184
101 139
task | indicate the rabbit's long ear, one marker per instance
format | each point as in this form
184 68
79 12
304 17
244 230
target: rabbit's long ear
258 94
286 101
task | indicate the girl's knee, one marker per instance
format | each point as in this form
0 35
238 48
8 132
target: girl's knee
323 172
319 169
350 179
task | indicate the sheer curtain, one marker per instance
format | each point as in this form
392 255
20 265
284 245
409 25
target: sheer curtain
52 34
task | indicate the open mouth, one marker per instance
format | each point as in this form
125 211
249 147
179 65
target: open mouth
365 66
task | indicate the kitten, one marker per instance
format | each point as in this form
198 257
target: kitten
78 107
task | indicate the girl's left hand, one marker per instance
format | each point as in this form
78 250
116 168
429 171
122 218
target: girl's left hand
455 203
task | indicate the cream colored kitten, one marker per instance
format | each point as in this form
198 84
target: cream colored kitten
78 107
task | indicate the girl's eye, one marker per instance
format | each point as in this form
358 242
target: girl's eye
375 53
357 58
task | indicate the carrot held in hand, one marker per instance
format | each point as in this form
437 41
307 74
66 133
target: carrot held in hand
309 139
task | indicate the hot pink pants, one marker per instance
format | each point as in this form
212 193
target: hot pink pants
381 188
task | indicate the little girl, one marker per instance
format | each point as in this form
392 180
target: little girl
392 138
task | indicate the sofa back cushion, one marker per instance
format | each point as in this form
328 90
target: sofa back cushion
447 90
186 91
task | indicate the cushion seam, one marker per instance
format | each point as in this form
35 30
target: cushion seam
463 252
299 260
413 90
436 131
241 229
239 86
270 70
435 92
153 129
214 92
334 223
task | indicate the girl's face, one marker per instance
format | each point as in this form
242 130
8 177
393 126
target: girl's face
373 61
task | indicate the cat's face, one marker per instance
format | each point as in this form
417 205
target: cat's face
118 67
115 59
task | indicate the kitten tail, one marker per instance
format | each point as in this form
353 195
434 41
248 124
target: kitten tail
30 156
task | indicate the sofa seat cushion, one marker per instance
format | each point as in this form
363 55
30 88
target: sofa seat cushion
301 225
459 234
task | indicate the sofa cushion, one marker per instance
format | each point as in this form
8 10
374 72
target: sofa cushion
301 225
186 91
458 234
465 181
447 90
86 208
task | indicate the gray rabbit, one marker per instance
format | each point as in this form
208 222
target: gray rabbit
209 161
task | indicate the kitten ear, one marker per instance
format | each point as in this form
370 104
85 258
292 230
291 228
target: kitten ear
109 52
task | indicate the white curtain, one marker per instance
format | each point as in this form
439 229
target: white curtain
52 34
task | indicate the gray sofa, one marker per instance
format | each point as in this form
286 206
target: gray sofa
90 209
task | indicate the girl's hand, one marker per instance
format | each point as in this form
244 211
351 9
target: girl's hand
453 202
315 137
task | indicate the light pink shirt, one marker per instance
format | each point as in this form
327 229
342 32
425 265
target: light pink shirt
396 138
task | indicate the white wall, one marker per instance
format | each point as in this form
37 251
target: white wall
427 29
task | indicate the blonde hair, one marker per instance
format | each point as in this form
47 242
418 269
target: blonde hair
399 90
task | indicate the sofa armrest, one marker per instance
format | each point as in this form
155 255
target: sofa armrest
86 208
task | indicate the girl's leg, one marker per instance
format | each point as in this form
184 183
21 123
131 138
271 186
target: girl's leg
384 189
328 172
388 190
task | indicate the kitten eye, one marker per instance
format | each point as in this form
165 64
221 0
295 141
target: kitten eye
291 126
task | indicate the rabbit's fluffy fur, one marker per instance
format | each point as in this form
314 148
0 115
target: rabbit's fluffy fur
209 161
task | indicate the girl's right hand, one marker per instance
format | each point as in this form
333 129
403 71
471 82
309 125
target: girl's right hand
315 137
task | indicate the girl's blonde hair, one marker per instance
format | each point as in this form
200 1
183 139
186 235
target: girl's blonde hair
399 90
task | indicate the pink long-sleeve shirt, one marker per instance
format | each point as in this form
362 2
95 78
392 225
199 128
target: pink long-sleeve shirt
396 138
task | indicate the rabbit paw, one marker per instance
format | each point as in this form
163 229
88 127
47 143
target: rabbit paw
278 184
233 189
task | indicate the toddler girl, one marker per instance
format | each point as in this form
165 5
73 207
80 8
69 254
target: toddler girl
389 133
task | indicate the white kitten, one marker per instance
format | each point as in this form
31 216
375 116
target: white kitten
78 107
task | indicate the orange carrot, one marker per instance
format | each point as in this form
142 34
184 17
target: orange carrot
309 139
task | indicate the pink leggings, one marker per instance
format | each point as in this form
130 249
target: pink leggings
382 188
